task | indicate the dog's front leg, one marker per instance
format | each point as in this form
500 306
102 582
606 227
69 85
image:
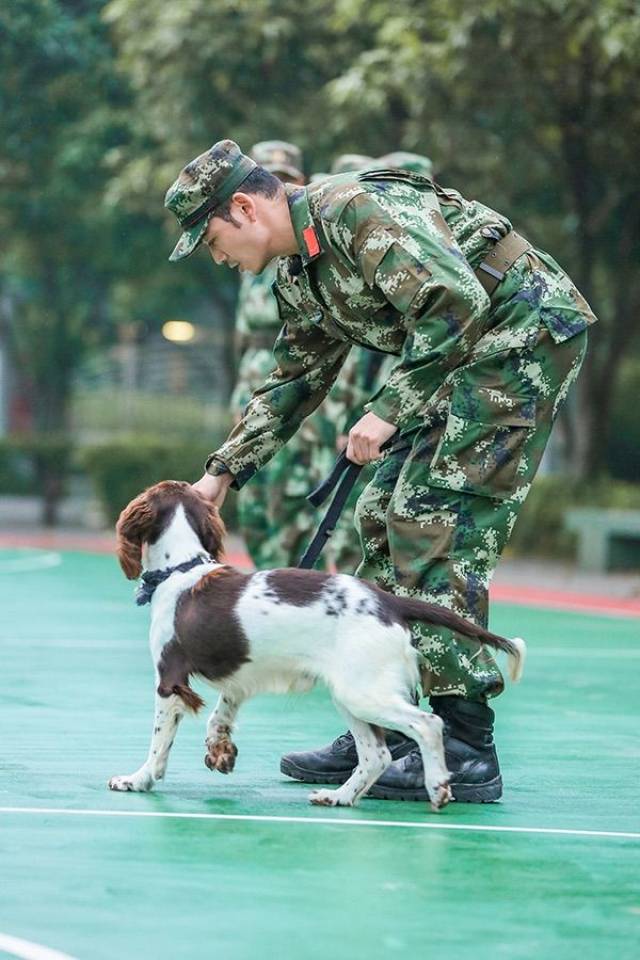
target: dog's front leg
168 713
221 750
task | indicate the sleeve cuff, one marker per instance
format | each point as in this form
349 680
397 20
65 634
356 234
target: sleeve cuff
385 408
215 466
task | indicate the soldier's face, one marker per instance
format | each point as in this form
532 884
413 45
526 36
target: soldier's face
242 242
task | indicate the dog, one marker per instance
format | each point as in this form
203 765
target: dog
276 631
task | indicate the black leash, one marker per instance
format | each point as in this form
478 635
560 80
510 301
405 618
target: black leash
343 476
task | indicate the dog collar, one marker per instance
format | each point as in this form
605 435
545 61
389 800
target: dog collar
152 579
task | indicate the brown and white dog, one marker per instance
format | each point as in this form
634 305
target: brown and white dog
276 631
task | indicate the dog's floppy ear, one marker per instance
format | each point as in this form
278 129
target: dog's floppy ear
209 527
133 527
214 532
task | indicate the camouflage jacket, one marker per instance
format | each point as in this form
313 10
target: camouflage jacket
386 260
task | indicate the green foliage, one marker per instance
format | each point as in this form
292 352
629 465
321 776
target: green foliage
110 413
77 262
532 107
36 464
623 453
122 469
17 470
540 530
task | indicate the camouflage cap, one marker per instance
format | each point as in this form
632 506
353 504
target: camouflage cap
204 184
413 162
346 162
279 157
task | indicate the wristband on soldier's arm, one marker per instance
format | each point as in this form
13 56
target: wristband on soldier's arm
215 467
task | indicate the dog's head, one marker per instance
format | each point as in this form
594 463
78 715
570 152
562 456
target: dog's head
148 516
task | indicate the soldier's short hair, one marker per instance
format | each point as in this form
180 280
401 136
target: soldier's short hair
259 181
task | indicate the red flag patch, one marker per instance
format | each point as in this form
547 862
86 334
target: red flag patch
311 241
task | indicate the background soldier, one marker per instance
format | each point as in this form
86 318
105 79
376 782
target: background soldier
273 515
489 333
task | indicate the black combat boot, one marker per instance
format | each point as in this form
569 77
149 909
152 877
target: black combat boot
336 762
470 756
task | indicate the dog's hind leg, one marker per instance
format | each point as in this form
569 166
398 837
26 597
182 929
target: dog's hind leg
221 750
426 730
168 713
373 760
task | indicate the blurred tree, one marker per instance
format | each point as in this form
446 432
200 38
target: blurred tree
74 254
534 108
58 113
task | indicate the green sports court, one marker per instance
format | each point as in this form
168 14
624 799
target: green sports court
242 867
396 221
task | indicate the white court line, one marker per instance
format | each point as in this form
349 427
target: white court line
326 821
619 653
29 951
32 562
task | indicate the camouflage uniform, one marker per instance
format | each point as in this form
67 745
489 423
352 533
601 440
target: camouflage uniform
387 261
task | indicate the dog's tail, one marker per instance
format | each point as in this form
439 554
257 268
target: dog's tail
515 648
189 697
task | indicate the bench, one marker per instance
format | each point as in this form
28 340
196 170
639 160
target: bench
607 539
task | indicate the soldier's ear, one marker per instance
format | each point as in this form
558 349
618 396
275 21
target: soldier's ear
245 203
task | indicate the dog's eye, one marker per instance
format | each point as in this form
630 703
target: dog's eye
167 555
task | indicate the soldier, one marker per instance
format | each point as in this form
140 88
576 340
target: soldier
349 162
489 333
273 514
403 160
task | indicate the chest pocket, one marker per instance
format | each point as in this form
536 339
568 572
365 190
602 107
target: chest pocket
483 442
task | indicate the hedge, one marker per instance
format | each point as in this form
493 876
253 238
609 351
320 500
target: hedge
120 470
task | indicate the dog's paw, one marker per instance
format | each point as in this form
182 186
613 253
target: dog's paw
221 756
440 796
136 783
324 798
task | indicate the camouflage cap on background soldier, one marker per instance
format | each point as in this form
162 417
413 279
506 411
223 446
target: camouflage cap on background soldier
347 162
280 158
204 184
402 160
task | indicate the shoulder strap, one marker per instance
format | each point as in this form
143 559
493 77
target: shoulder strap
404 176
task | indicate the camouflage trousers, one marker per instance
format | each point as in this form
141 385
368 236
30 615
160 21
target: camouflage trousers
440 508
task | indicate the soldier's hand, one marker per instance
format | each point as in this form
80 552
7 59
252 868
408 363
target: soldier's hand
367 436
213 488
